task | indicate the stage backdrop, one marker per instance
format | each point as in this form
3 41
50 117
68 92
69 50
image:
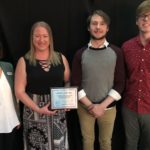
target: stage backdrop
68 21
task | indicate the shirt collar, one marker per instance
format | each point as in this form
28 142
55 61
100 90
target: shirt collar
140 43
105 44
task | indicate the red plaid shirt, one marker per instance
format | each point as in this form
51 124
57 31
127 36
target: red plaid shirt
137 92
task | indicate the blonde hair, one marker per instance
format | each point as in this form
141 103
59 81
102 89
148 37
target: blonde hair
54 57
144 7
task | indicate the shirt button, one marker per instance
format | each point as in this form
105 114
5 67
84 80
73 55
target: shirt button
140 90
144 49
139 99
141 70
142 59
140 80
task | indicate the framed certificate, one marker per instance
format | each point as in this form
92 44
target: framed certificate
64 98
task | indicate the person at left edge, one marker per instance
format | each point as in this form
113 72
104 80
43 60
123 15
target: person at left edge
9 108
37 71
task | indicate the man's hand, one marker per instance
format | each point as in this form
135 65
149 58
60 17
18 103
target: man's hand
96 110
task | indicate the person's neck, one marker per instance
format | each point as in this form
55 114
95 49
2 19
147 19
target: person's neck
97 43
42 55
145 38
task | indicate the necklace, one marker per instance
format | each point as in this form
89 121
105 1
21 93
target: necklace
45 65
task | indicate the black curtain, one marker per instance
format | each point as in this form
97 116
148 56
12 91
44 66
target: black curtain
68 21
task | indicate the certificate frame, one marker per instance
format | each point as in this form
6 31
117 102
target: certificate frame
64 98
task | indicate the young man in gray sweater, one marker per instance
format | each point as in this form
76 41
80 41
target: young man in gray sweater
98 71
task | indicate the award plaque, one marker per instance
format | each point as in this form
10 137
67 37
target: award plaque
64 98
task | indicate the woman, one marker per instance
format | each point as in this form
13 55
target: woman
9 116
40 69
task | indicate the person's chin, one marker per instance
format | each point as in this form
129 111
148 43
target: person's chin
42 49
98 37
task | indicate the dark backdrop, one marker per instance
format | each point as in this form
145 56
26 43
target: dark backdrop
68 21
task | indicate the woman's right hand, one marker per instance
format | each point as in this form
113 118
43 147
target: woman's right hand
46 111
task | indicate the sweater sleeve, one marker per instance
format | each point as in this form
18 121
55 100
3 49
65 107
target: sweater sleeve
119 75
76 78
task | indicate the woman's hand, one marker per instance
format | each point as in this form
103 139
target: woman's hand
46 111
18 126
